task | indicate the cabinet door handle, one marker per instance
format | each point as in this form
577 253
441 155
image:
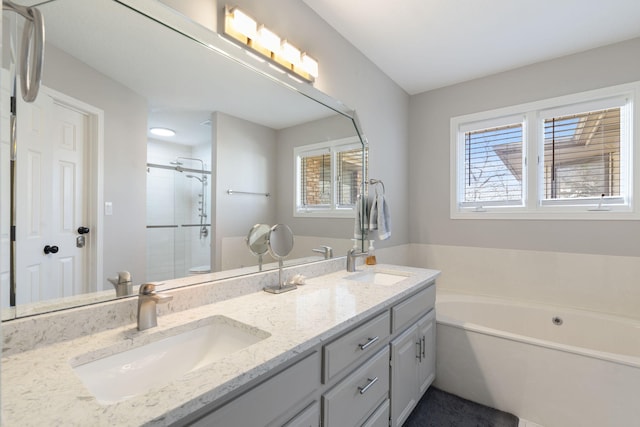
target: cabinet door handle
368 343
371 382
423 346
419 351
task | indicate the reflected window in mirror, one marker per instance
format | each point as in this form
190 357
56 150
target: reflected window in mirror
328 177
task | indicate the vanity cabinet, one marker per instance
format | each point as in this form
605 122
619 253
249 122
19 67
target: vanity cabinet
352 401
380 417
401 372
308 417
371 376
355 345
412 367
265 404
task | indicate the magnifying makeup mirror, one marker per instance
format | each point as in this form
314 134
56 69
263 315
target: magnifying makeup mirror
257 241
280 244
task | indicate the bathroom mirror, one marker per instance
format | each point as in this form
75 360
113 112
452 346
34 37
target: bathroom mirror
280 241
159 207
257 239
258 242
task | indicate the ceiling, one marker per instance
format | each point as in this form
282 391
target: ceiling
427 44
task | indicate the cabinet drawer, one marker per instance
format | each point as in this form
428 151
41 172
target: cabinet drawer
361 342
269 399
410 309
356 397
309 417
380 418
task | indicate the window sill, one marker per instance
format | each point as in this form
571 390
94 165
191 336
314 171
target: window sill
615 214
347 214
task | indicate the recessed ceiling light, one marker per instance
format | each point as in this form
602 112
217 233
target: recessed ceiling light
162 132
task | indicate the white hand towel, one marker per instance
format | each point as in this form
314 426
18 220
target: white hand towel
384 222
373 214
379 217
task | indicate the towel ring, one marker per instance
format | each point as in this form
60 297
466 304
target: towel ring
377 181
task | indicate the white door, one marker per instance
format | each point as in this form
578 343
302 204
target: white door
51 170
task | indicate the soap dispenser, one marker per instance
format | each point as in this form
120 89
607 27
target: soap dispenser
371 257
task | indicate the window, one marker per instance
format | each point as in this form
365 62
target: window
328 177
493 166
582 155
568 157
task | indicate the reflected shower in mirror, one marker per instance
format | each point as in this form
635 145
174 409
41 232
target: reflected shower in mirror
178 223
158 207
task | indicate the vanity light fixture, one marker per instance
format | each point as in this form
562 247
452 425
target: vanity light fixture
268 40
162 132
243 29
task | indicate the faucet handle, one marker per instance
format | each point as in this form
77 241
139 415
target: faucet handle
149 288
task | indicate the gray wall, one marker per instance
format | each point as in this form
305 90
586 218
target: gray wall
329 129
125 154
347 75
244 158
429 163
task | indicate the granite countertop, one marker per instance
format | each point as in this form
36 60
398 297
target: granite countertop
39 387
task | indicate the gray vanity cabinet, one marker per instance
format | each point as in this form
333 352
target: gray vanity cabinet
308 417
354 399
412 367
266 403
372 374
412 355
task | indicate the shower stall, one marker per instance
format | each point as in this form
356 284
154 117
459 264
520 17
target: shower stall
178 219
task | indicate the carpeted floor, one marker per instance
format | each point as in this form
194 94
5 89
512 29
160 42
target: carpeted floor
438 408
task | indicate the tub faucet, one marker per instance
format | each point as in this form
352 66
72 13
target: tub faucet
147 300
327 251
351 259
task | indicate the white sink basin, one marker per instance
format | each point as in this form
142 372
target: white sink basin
135 371
378 277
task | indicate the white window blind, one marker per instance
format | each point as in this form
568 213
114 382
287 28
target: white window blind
349 179
570 157
329 177
315 179
493 166
582 154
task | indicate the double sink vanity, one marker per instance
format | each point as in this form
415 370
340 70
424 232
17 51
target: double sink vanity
342 349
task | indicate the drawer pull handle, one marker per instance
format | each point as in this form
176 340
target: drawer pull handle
368 343
423 346
371 382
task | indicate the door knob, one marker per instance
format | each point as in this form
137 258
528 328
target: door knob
50 249
83 230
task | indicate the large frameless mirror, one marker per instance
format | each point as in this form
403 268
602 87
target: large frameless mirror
92 180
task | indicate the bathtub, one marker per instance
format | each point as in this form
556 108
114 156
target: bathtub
553 366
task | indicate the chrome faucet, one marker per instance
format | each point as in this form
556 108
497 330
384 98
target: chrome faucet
351 259
147 300
122 283
327 251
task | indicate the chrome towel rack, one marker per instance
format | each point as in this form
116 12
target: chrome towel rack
231 192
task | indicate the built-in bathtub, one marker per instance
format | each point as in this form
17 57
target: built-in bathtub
554 366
